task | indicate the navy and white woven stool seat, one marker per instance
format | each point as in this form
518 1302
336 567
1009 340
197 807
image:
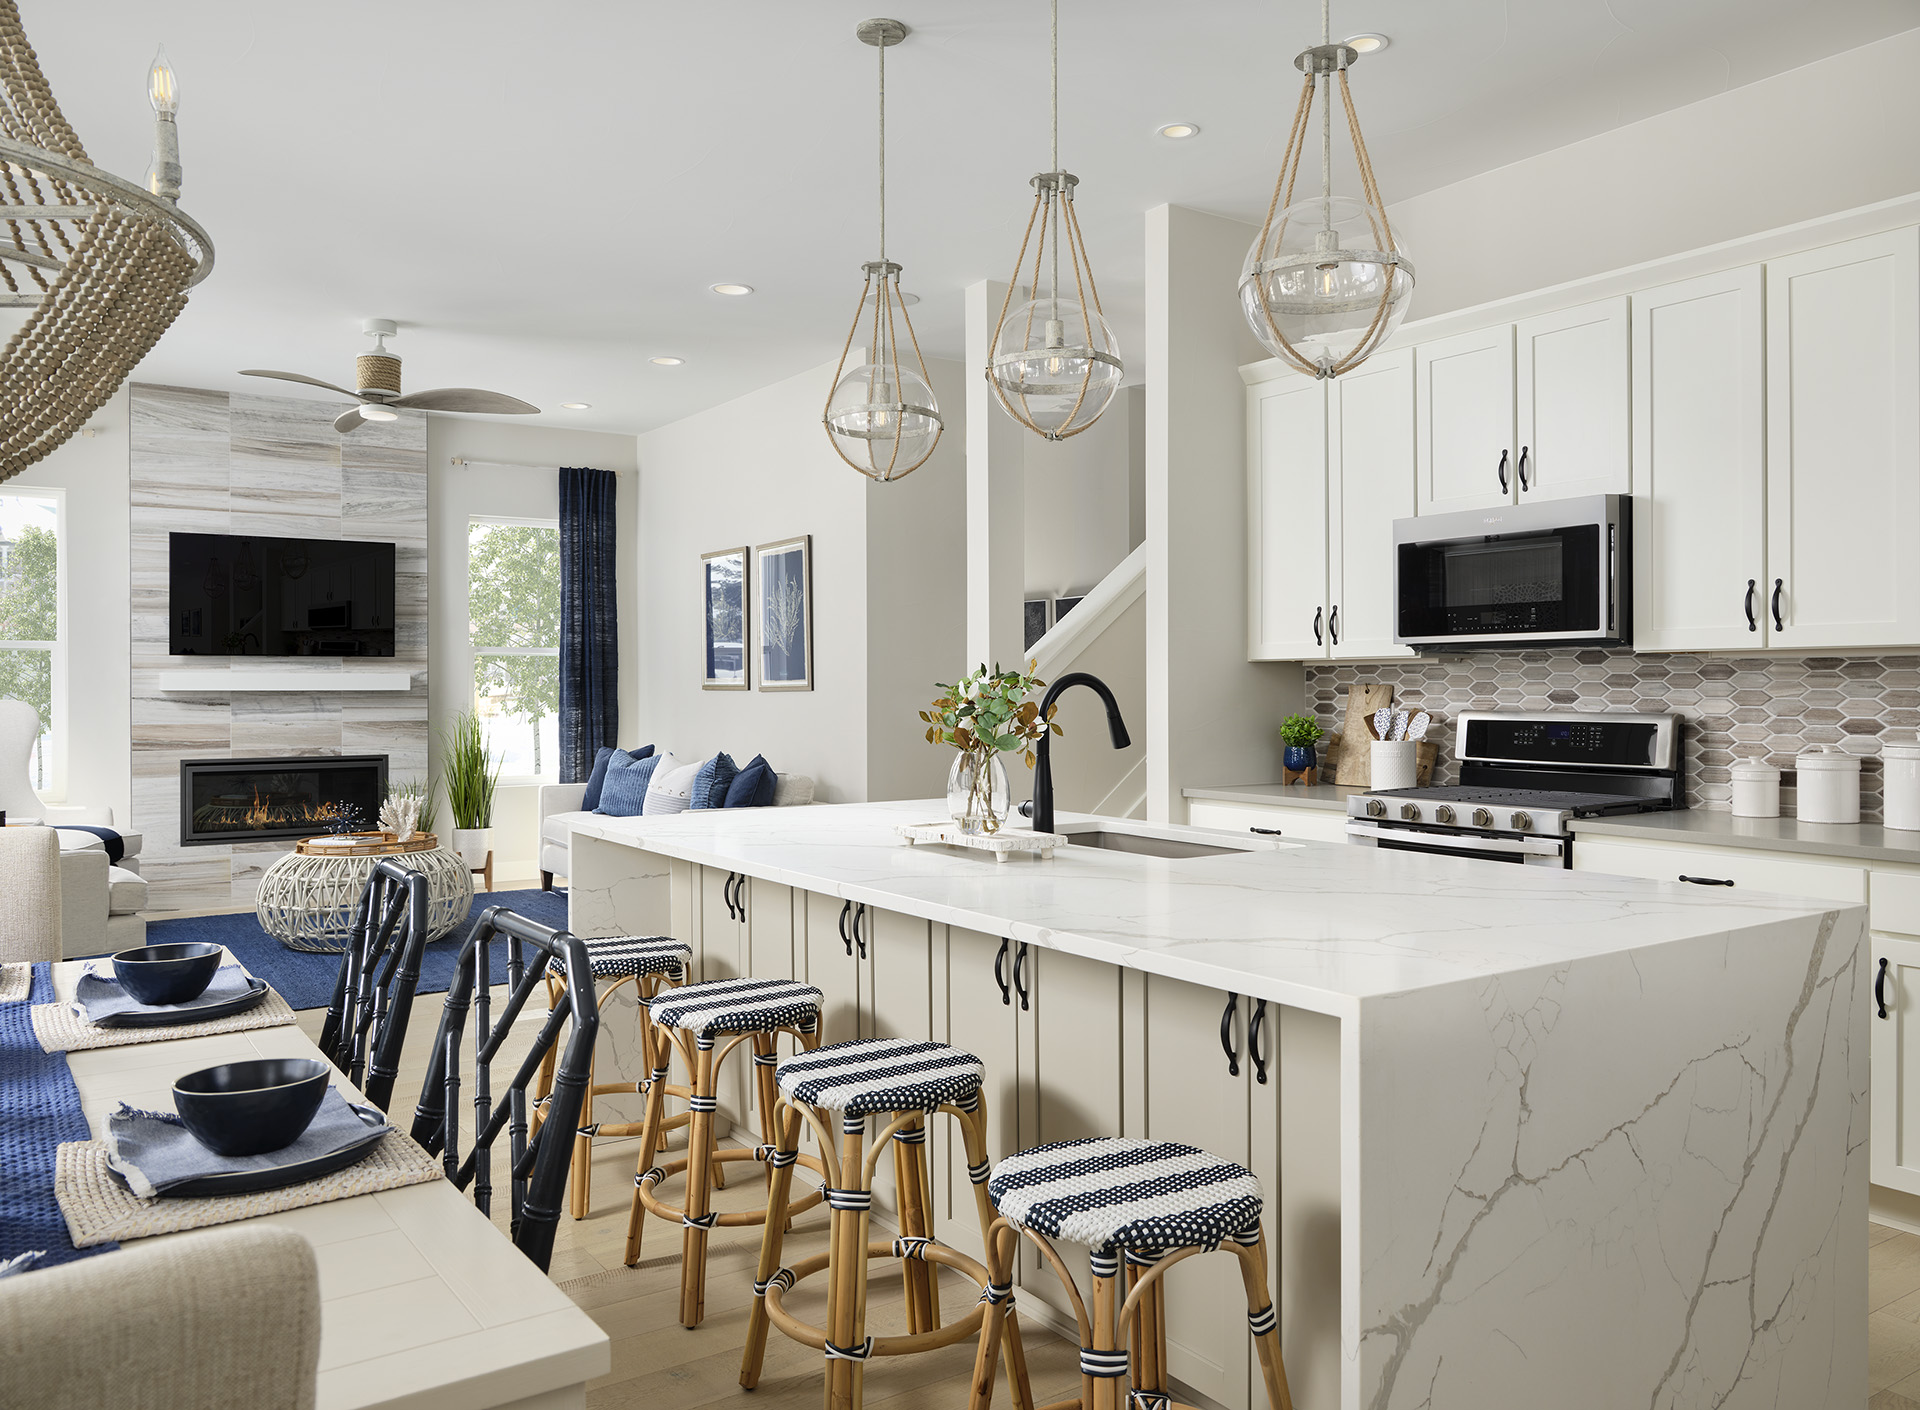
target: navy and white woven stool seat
630 956
1113 1193
872 1075
739 1006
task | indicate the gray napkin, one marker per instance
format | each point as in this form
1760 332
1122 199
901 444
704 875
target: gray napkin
99 996
154 1152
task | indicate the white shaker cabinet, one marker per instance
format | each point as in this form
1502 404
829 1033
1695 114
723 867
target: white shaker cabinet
1369 485
1894 1157
1699 464
1287 520
1843 444
1571 379
1465 395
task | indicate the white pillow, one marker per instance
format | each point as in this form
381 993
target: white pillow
670 790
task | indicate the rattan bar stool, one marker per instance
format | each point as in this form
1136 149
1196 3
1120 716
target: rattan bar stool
1150 1204
649 963
885 1078
696 1018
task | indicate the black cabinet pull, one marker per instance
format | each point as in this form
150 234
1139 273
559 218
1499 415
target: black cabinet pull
846 909
1000 973
1226 1035
1266 831
1753 624
1778 625
1503 472
740 896
1522 468
1020 975
1706 880
1253 1041
1318 613
726 894
859 928
1333 624
1880 987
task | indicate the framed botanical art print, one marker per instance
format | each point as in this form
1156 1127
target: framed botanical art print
783 576
723 592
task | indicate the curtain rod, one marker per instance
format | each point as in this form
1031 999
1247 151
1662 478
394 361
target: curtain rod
463 463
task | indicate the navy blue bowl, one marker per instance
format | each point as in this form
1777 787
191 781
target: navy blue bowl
167 974
250 1108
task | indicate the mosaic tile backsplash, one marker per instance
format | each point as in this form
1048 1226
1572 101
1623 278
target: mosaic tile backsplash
1735 707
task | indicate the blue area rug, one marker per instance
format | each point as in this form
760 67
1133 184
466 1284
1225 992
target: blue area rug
306 981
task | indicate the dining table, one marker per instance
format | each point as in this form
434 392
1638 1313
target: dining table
424 1302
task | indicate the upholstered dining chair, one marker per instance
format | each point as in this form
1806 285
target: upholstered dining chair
225 1319
29 894
366 1023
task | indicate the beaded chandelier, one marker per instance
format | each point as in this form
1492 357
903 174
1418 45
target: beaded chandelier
102 266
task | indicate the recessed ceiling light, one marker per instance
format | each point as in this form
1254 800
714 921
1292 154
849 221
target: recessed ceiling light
576 406
733 290
1368 43
666 361
1180 130
909 299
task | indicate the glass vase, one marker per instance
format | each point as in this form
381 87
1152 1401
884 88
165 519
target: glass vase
977 793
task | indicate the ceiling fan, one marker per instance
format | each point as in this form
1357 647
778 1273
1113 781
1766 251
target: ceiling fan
378 374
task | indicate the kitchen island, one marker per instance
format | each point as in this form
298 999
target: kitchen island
1529 1137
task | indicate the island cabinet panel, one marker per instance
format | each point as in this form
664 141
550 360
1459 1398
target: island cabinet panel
1894 1160
722 951
769 928
833 968
1301 824
899 980
978 1013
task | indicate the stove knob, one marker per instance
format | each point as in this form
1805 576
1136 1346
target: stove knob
1522 821
1482 818
1443 814
1376 808
1410 811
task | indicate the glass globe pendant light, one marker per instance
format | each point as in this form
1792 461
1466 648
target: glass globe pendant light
1327 282
1054 364
881 418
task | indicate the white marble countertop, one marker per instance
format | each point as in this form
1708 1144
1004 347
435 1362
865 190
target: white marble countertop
1869 842
1319 926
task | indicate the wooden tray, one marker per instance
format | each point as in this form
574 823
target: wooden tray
1002 844
365 844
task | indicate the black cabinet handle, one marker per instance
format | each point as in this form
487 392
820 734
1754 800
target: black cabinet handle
740 896
846 909
1266 831
726 894
1522 467
1706 880
1503 472
1778 625
1226 1035
860 928
1020 975
1253 1042
1000 973
1318 613
1880 987
1333 624
1753 624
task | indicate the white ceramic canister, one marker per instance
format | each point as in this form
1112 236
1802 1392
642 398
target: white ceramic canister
1756 788
1828 782
1396 763
1902 786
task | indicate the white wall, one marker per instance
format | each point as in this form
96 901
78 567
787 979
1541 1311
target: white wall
454 495
1077 504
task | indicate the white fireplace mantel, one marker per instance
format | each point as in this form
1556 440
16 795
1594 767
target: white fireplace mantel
294 682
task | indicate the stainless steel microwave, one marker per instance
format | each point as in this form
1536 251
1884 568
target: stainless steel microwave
1558 573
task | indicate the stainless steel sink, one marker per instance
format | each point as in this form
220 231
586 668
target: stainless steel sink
1146 846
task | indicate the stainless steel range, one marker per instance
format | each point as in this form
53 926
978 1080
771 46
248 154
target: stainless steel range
1524 778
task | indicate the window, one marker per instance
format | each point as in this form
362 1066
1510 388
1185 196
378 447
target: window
513 618
32 652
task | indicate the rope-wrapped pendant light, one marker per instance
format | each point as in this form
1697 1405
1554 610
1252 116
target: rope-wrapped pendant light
881 418
103 265
1055 364
1327 282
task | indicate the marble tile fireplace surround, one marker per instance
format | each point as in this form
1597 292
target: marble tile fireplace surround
214 462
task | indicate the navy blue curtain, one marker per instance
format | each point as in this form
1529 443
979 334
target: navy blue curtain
589 627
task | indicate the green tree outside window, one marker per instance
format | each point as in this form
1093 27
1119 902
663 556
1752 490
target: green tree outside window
513 608
30 626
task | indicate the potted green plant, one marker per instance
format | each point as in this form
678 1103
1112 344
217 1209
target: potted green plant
1299 734
984 715
472 773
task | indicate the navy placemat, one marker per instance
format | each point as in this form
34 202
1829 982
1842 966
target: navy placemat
39 1110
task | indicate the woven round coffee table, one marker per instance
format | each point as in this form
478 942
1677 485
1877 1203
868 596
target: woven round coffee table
306 902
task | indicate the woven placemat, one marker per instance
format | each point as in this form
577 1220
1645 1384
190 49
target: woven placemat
98 1208
16 982
60 1030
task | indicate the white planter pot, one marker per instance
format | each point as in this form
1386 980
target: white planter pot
472 844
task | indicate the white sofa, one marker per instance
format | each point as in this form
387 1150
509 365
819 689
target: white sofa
560 810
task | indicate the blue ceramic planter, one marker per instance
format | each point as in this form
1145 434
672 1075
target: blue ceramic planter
1298 757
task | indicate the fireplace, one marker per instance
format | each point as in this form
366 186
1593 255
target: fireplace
265 800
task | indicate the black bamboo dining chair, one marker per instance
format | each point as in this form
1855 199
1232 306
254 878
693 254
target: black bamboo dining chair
538 1162
366 1023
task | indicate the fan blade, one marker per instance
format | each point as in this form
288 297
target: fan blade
466 399
296 377
349 420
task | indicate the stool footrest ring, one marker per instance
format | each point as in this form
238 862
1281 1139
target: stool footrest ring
809 1335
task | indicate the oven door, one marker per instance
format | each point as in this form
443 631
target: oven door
1521 851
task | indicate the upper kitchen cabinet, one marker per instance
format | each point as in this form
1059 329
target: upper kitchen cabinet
1287 519
1699 464
1369 485
1843 444
1465 399
1572 378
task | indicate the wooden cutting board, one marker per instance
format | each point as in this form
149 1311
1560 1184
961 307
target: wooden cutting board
1356 759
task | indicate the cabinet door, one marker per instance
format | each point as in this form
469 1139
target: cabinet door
1843 443
1192 1096
1295 824
1464 401
1287 520
1370 450
722 954
979 1018
1894 1156
1699 464
899 1005
832 970
769 929
1572 382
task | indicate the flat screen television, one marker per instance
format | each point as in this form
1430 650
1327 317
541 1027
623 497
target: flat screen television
250 595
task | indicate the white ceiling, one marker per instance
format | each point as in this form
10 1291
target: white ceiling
541 194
